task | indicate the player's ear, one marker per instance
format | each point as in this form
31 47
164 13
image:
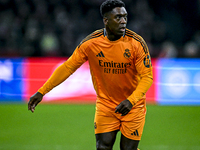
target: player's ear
105 20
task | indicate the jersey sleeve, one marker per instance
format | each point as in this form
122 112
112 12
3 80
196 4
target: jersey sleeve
144 69
65 70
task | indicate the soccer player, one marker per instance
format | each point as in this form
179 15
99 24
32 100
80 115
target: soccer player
121 71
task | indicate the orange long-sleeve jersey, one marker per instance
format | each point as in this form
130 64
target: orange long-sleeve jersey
120 69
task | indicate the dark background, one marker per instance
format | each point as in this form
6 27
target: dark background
171 28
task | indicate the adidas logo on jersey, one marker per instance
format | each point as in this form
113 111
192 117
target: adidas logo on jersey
100 54
135 133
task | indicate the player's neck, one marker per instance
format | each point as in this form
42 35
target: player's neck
111 36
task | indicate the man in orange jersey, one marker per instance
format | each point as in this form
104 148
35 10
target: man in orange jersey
121 71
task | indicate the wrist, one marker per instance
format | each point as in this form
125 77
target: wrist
131 101
40 91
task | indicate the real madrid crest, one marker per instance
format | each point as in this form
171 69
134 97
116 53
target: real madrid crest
127 53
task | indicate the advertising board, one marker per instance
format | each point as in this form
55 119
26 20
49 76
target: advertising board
178 81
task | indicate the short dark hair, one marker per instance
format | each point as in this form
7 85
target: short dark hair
109 5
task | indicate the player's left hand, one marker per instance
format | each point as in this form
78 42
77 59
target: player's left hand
124 107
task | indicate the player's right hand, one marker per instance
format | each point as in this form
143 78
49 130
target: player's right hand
34 100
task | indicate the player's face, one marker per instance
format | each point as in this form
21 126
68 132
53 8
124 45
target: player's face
116 21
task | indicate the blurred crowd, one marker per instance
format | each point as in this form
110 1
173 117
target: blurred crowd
171 28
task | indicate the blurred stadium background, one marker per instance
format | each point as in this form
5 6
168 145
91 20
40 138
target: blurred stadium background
38 35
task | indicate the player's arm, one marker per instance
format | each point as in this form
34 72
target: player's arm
58 76
143 86
125 106
144 68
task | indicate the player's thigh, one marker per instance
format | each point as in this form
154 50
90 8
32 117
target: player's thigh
132 125
105 121
105 141
106 127
128 144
